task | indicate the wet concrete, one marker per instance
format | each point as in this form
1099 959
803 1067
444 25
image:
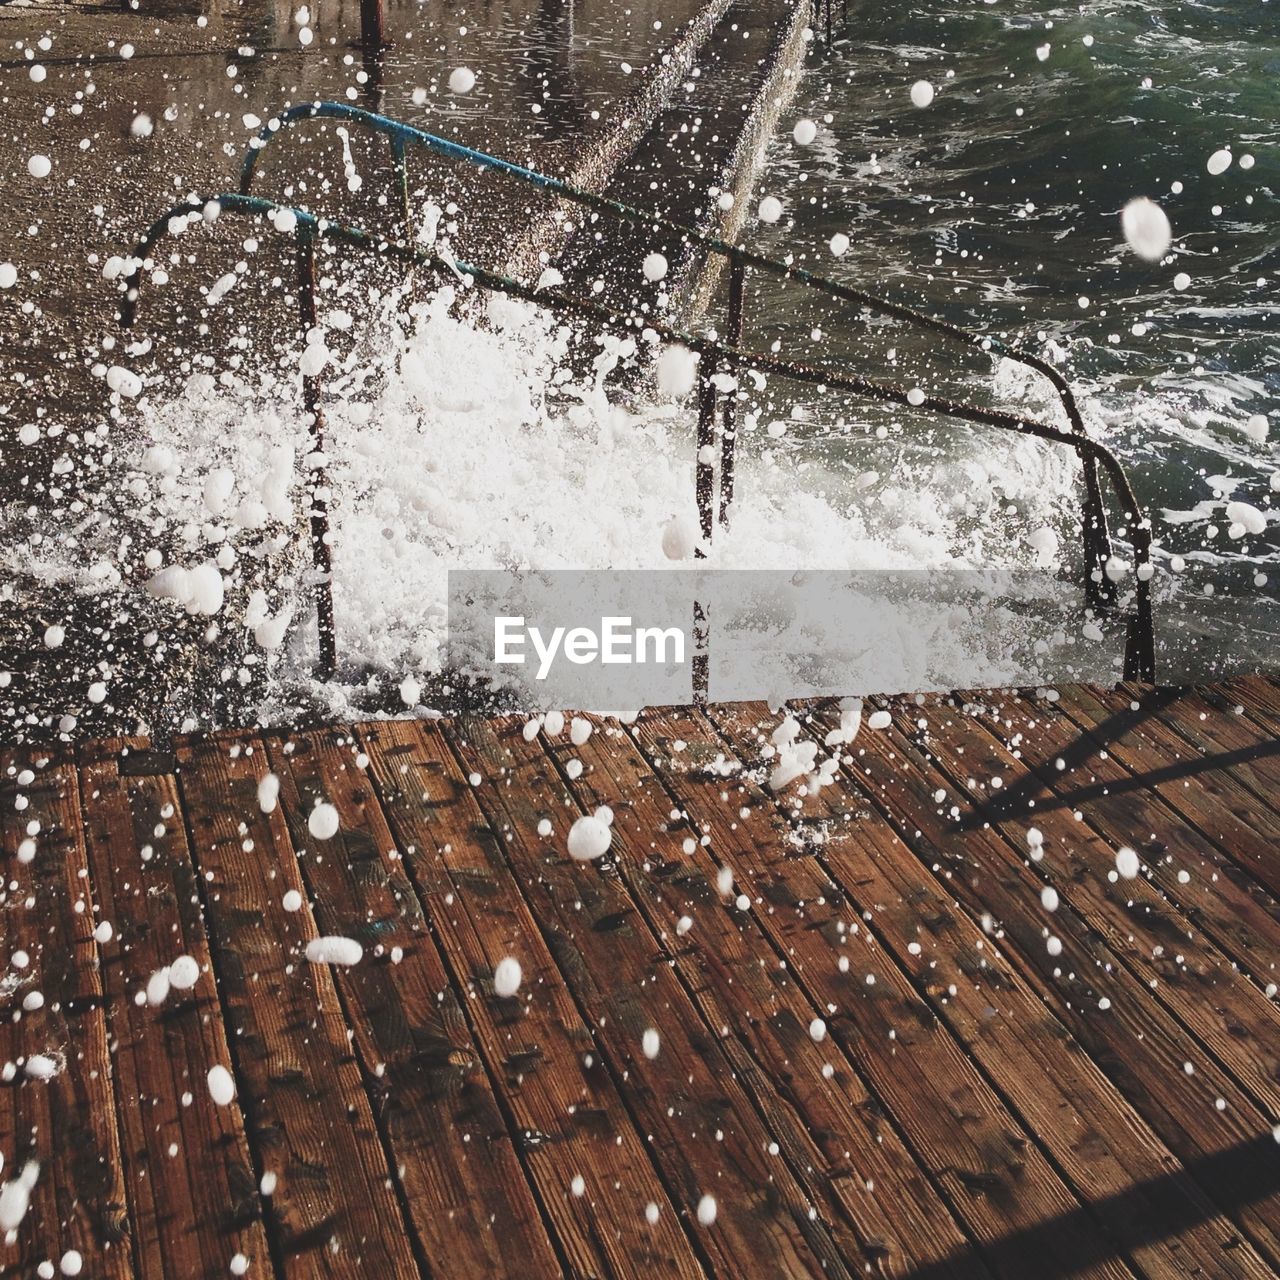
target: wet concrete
568 87
696 164
551 88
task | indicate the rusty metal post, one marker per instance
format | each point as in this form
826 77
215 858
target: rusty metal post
372 28
317 489
704 467
400 170
729 431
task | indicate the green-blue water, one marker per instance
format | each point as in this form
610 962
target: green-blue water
998 206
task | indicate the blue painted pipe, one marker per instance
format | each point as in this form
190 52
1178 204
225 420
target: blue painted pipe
393 129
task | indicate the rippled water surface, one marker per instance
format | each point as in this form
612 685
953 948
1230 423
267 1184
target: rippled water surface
998 206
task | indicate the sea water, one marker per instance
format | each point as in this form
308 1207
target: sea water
998 206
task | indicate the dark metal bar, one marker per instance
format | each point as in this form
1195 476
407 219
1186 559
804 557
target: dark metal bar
728 426
1097 540
317 488
372 28
400 169
704 469
648 218
704 485
701 665
1099 589
1098 547
1140 641
822 375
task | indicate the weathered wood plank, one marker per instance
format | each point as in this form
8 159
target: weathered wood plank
1137 1042
1202 768
65 1122
471 1207
310 1125
1217 721
1204 706
1260 697
704 1131
998 1180
1131 1181
1180 964
741 984
407 1109
192 1189
1112 781
545 1060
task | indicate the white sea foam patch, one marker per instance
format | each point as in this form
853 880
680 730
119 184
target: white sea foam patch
458 440
461 462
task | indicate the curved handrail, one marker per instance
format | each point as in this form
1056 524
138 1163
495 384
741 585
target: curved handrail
408 134
1097 537
308 227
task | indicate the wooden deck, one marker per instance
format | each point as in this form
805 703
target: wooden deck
1031 1066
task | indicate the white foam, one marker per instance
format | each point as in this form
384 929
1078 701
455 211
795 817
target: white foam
334 950
444 450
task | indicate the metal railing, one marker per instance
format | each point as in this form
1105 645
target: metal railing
716 356
1097 540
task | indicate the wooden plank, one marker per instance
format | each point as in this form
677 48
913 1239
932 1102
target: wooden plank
1250 726
1195 779
310 1125
545 1060
995 1176
66 1123
1131 1181
1260 697
193 1192
471 1207
1137 1042
1112 775
1232 1017
1217 722
704 1131
1125 808
741 985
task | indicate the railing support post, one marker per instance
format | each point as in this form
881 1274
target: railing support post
1099 589
317 489
704 466
729 436
372 27
1140 642
400 170
701 655
704 480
